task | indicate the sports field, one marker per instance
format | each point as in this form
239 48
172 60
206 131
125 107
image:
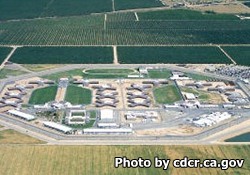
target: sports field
78 95
173 55
43 95
63 55
100 159
166 94
241 55
4 51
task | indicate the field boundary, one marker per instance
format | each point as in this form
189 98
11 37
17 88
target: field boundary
8 56
227 55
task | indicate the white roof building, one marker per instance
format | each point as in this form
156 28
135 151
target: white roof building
58 127
21 115
106 114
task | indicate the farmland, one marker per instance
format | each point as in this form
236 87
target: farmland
122 29
100 159
240 138
13 137
183 14
174 55
167 94
78 95
43 95
241 55
62 55
134 4
4 51
247 4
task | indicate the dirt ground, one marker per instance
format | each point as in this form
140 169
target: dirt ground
229 8
182 130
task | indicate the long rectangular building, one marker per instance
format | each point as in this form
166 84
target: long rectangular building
21 115
58 127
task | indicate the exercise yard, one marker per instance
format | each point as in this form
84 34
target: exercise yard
43 95
78 95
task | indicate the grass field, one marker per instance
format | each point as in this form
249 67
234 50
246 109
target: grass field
240 138
41 67
183 14
134 4
5 73
166 94
241 55
100 159
4 51
198 76
13 137
173 55
66 74
159 73
78 95
204 96
43 95
108 73
63 55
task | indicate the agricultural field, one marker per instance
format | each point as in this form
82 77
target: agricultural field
43 95
4 51
135 4
63 55
78 95
100 159
247 4
128 16
184 14
15 9
171 55
76 7
5 73
167 94
10 136
241 55
93 30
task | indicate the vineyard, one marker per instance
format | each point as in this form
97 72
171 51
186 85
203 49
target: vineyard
123 29
183 14
27 9
241 55
4 51
62 55
172 55
135 4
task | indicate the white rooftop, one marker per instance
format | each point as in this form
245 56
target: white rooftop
57 126
21 114
107 114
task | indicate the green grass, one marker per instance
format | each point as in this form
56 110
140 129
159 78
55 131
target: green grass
159 73
241 55
63 55
4 51
109 71
66 74
183 14
78 95
87 125
43 95
240 138
172 55
92 114
5 73
166 94
98 160
198 76
134 4
10 136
